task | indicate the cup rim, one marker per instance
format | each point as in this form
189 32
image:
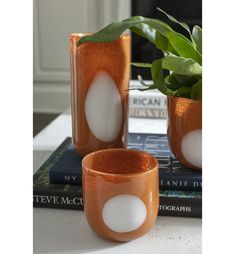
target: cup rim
97 172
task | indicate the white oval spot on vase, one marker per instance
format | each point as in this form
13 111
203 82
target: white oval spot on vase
103 108
124 213
191 147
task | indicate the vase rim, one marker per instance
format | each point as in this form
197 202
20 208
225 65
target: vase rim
74 35
184 99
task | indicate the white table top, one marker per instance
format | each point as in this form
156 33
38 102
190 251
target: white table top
66 231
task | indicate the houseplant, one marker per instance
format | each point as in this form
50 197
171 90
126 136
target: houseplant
183 83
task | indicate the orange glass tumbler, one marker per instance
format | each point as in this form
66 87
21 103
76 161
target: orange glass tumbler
120 192
100 75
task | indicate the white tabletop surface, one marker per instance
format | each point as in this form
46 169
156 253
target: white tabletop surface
66 231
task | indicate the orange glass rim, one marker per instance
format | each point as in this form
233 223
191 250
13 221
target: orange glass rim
148 170
184 99
76 35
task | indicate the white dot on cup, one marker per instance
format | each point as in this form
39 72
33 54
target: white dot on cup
124 213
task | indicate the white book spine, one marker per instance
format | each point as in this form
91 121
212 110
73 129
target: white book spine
147 104
148 113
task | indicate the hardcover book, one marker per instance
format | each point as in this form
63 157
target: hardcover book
172 175
67 196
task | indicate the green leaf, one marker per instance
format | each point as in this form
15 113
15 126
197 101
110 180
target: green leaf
183 92
142 26
164 44
109 33
159 83
140 79
156 24
158 78
180 89
184 25
163 41
197 90
162 35
147 86
197 36
174 81
170 41
181 65
143 29
156 31
182 58
153 30
143 65
152 35
183 47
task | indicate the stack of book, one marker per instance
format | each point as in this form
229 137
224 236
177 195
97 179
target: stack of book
57 183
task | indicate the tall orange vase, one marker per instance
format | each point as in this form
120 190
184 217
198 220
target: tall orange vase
100 75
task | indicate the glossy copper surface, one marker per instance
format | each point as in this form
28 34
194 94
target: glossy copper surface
184 115
112 172
86 61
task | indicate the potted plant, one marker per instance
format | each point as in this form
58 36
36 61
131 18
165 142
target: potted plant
182 84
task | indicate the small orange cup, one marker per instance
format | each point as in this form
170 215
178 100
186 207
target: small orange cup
120 192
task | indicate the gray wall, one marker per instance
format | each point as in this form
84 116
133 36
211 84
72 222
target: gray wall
54 21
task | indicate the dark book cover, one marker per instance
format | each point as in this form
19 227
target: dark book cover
173 175
65 196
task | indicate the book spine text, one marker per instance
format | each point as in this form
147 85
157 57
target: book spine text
169 206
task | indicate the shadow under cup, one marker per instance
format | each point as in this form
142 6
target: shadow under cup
121 192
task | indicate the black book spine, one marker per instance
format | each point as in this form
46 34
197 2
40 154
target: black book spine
62 177
57 199
181 207
166 182
180 182
169 206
